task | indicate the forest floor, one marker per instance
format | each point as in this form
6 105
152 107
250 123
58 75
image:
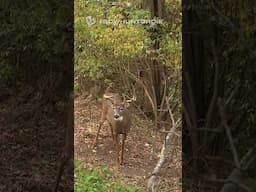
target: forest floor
31 139
138 161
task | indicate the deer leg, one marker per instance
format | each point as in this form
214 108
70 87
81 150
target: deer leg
112 134
102 119
98 132
117 148
122 150
63 160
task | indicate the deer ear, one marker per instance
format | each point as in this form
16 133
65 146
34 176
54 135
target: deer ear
124 99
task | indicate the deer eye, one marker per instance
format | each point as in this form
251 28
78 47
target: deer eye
121 108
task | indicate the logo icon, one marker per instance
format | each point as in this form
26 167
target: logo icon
90 20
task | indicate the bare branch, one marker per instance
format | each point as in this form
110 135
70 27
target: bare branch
153 104
225 18
236 175
232 182
228 132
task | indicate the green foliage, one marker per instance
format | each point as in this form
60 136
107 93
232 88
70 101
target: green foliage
101 48
97 45
230 27
98 181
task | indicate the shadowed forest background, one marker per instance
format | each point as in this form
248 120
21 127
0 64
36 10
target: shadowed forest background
218 43
36 77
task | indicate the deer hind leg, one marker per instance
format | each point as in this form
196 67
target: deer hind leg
122 150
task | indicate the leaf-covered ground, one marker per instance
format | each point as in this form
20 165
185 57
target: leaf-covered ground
31 139
138 162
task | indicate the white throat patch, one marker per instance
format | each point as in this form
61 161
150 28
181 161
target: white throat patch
119 118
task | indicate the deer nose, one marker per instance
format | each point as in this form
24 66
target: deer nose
116 116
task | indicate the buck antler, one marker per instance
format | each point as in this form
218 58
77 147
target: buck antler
131 99
107 96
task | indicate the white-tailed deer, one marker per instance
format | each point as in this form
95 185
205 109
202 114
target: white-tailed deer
67 150
114 110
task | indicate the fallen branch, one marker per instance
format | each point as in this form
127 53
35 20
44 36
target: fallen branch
155 176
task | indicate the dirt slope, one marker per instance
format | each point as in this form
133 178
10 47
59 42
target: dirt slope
138 163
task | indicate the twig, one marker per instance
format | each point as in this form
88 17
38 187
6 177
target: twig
176 134
244 187
231 25
228 132
208 130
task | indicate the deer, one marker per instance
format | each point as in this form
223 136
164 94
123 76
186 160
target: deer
67 150
115 111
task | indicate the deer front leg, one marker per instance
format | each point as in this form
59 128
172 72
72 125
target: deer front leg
112 134
122 150
96 139
117 149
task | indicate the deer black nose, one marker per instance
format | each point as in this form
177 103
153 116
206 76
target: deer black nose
116 116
